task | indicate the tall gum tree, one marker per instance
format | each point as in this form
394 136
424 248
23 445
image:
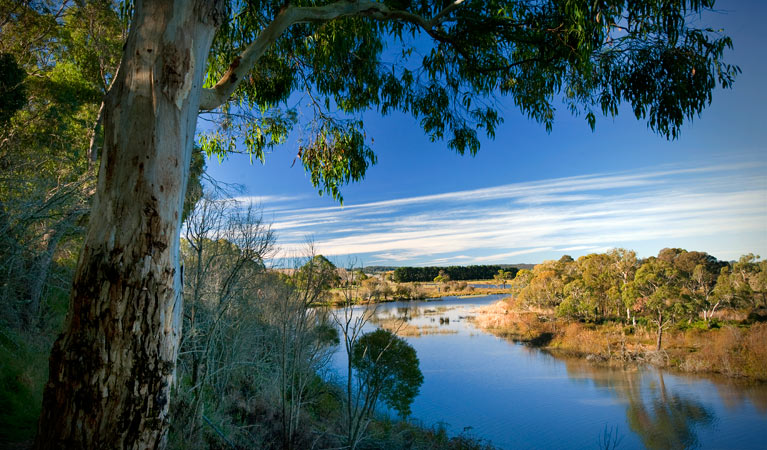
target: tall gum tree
112 368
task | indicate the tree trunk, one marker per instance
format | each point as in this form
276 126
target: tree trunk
112 368
713 310
660 332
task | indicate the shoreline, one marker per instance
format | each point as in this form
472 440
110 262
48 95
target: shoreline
426 292
728 351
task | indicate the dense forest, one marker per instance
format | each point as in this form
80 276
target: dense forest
456 273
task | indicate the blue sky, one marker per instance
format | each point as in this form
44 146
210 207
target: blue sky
529 195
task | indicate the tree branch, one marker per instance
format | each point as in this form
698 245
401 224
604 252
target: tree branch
220 93
93 150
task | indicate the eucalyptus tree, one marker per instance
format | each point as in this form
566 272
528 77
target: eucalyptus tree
112 368
748 276
701 283
625 264
545 287
601 280
386 367
503 276
724 294
521 281
657 288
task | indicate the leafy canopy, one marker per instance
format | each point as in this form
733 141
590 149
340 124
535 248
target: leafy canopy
448 62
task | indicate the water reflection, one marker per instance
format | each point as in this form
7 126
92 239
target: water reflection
663 417
734 395
667 420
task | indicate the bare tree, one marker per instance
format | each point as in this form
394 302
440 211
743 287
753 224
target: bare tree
224 250
304 336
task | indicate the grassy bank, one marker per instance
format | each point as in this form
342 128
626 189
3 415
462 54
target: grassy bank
733 348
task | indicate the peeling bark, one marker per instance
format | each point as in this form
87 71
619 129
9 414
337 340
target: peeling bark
112 368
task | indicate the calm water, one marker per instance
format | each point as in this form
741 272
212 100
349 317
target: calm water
519 397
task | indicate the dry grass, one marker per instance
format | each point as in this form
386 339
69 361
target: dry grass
732 351
405 329
388 291
504 319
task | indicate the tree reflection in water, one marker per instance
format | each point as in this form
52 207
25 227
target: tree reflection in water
662 419
666 420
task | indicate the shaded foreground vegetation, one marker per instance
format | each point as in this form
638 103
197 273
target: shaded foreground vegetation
252 368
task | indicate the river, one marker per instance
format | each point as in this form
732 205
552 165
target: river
519 397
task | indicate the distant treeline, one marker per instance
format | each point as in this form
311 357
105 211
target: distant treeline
409 274
378 269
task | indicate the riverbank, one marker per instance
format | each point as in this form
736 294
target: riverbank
737 350
383 291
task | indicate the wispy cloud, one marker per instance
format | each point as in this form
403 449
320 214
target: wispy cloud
271 200
717 206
